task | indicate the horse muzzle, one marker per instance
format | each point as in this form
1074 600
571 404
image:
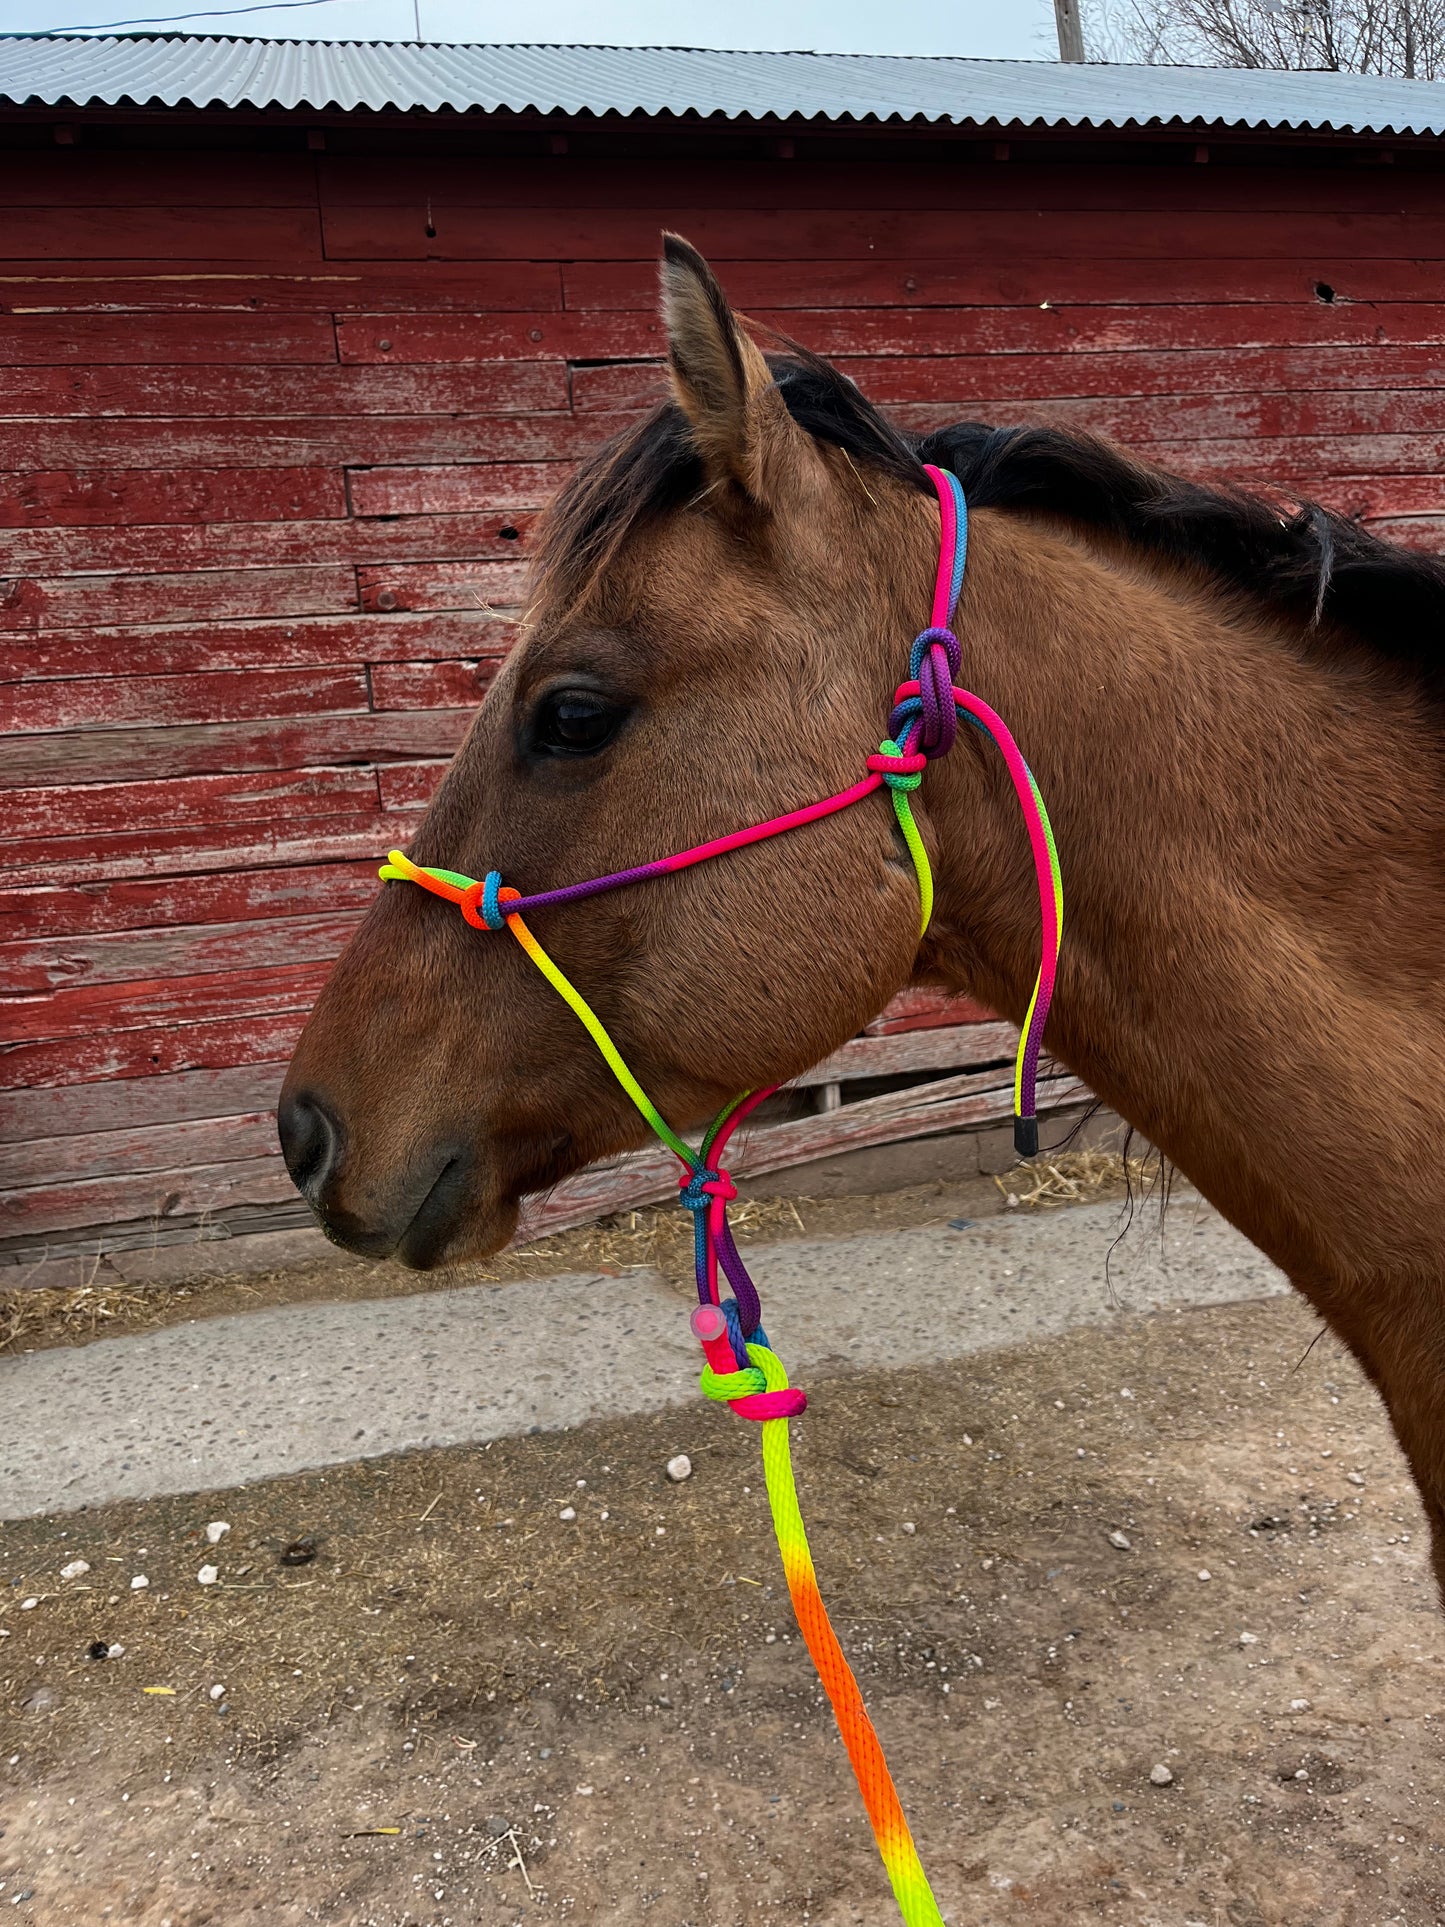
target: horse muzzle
413 1217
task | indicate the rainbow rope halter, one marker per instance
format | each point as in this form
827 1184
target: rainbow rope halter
742 1370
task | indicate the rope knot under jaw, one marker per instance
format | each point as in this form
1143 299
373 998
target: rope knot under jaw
899 771
697 1190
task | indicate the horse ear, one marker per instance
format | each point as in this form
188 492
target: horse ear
719 378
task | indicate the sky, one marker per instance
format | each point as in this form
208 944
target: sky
993 29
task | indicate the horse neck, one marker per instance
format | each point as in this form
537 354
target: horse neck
1244 942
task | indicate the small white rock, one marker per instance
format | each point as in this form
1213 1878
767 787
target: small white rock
75 1569
1354 1478
1204 1573
567 1514
1249 1639
208 1575
115 1651
1300 1706
584 1791
218 1692
679 1468
1159 1775
28 1605
139 1583
216 1531
1122 1541
909 1526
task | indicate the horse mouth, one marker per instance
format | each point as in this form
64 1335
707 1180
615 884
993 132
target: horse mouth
424 1240
433 1226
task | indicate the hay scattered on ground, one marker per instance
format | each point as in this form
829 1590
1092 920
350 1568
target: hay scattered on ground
654 1236
1078 1177
78 1312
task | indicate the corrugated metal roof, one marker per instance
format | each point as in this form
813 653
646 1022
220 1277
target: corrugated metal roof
201 71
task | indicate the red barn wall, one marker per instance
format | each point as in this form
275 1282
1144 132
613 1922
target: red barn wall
274 429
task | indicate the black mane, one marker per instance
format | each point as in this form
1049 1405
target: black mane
1303 562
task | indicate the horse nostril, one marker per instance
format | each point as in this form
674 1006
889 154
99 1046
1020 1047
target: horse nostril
310 1142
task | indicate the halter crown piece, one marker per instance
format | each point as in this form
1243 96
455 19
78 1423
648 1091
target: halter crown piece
742 1370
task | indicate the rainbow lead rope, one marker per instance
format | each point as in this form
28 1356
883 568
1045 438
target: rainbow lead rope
742 1370
730 1331
911 1890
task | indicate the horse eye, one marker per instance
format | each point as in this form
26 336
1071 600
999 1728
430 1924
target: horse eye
574 722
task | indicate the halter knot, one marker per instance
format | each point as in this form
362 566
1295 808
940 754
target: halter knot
900 770
481 905
697 1190
933 663
757 1390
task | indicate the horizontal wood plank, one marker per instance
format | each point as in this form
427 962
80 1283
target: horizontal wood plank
970 180
211 288
56 917
197 749
1425 532
103 1013
112 177
98 857
255 796
966 278
897 1053
432 685
70 602
197 1190
137 1103
454 488
437 229
501 535
38 964
318 643
99 498
259 1037
409 786
478 585
501 387
1044 378
367 441
1299 459
925 1007
50 340
96 702
395 339
161 233
52 1161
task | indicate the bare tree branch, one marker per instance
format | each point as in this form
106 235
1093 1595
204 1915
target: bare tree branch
1398 37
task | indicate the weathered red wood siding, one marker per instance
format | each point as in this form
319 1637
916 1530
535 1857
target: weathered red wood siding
273 431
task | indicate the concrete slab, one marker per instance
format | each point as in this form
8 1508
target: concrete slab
223 1401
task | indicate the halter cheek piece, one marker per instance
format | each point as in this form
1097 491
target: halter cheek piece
742 1370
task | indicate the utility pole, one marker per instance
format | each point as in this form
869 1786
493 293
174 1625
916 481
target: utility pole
1071 31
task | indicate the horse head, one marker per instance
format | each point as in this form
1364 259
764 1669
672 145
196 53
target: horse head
722 602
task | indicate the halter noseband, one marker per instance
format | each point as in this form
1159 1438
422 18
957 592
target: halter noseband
742 1370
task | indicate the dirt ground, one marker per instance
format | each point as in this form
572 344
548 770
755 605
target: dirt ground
466 1709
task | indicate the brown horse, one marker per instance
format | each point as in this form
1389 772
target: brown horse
1233 712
